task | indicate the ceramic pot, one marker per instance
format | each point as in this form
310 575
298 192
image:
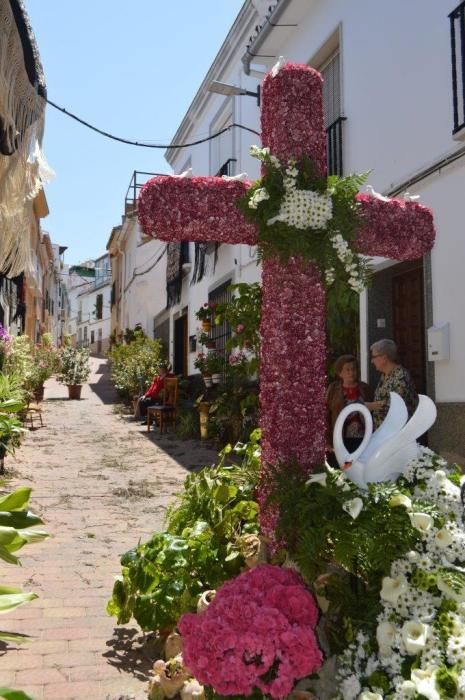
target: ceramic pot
206 325
216 378
207 380
74 391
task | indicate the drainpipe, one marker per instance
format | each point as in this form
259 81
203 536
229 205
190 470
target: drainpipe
254 46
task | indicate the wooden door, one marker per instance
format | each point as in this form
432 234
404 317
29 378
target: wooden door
409 323
180 345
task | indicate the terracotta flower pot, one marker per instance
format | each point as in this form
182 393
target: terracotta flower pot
74 391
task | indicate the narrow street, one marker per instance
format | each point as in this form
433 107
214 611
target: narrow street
101 484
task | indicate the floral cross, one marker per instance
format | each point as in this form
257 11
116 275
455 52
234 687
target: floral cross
292 378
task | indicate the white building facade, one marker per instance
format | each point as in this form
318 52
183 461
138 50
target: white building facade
394 104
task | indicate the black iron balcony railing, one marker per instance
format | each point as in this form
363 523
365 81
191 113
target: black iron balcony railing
227 168
334 150
138 180
457 47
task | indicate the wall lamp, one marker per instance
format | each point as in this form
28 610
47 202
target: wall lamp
225 89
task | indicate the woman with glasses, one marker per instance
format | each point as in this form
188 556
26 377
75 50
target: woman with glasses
346 389
394 377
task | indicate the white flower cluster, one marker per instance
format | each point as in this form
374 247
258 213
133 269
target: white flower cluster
265 156
258 196
349 260
304 209
421 629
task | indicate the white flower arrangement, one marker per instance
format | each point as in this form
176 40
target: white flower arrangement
306 204
419 645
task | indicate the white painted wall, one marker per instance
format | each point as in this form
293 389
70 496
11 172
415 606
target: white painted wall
397 97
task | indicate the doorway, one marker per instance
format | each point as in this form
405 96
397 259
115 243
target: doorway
180 345
408 314
396 309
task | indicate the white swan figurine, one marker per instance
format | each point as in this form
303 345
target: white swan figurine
384 454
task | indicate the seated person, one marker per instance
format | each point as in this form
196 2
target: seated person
152 395
346 389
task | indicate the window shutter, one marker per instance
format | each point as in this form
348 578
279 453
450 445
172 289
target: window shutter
331 90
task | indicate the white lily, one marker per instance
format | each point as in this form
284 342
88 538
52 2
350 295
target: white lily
400 500
385 636
353 507
319 478
421 521
392 588
414 635
443 538
425 682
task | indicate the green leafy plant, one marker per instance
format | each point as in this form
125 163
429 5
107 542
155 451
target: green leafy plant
199 549
15 521
10 694
351 555
134 365
74 366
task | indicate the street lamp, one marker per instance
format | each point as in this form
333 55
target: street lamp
225 89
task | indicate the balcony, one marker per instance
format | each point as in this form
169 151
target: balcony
334 150
457 46
138 180
227 168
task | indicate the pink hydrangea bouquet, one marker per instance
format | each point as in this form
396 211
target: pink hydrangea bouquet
258 633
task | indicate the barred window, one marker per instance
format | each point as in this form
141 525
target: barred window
457 45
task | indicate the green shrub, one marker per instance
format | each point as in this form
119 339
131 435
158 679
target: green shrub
200 548
133 366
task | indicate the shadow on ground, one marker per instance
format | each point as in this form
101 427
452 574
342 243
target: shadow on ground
132 652
104 388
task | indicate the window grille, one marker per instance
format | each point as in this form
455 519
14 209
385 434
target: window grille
222 333
99 307
457 45
332 114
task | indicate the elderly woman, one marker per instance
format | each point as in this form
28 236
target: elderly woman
394 377
346 389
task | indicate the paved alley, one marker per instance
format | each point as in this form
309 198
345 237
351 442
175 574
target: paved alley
101 484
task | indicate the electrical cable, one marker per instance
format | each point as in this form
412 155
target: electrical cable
150 145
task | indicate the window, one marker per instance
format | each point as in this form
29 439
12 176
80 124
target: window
332 112
85 335
222 333
99 307
457 45
92 337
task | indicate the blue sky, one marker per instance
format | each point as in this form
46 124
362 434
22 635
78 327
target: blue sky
129 68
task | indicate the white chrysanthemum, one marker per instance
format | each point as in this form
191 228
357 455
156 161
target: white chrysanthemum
304 209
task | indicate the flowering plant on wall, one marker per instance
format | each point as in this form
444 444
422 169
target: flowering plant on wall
301 213
256 634
206 312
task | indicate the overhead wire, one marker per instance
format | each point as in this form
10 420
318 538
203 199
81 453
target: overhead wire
144 144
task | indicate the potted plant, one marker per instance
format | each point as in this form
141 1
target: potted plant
215 366
46 362
201 364
205 315
74 370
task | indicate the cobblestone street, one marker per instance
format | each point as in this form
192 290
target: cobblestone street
101 484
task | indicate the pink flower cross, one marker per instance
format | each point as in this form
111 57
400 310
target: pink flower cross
292 377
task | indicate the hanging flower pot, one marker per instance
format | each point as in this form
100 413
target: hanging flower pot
206 325
210 344
74 391
207 380
216 378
